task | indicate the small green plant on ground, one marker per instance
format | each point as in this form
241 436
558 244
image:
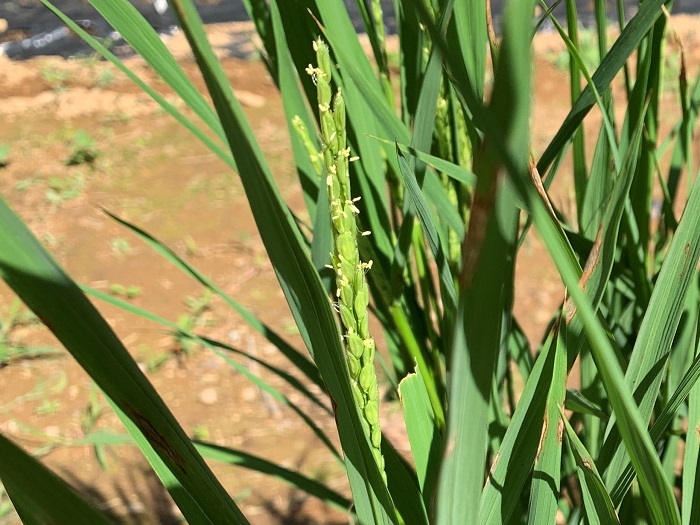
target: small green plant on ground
88 424
4 155
191 246
196 317
184 340
120 246
56 77
62 189
106 78
47 407
13 348
25 184
83 149
131 291
440 169
201 432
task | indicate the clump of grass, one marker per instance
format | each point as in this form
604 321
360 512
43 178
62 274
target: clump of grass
120 246
63 189
48 407
105 78
56 77
83 149
128 292
4 155
12 345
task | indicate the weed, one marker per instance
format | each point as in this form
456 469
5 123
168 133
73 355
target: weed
83 149
196 316
155 360
201 432
120 246
105 78
290 327
63 189
4 155
56 77
198 305
183 344
128 292
48 407
88 423
12 348
24 184
51 240
191 246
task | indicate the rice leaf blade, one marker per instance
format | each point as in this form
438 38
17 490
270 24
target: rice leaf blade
300 361
544 492
597 503
486 280
39 496
423 435
644 372
268 468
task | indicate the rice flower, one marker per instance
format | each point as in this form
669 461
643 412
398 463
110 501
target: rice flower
352 290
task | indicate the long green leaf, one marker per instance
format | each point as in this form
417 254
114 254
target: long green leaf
517 453
39 496
596 500
218 348
690 508
294 106
437 244
486 280
268 468
167 106
426 442
655 487
544 492
140 35
661 425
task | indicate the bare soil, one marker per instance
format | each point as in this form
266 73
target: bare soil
152 172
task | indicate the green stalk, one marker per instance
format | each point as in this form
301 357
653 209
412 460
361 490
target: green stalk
314 155
427 287
403 328
579 149
383 63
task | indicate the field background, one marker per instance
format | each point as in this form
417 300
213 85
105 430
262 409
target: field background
149 170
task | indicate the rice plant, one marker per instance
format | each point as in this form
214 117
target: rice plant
445 178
